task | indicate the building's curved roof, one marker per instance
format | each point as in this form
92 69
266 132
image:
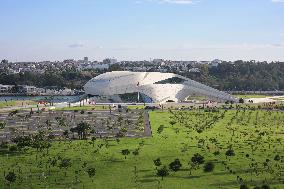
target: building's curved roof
160 87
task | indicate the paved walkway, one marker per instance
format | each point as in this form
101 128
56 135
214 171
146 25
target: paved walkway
147 127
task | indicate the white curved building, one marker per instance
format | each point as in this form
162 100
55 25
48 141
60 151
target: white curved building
159 87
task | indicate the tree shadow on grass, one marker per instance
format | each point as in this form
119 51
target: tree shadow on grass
112 160
147 180
149 177
253 183
186 177
144 170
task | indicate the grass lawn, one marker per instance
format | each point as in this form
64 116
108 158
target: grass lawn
257 133
250 96
4 104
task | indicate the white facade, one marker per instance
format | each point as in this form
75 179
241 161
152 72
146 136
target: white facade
160 87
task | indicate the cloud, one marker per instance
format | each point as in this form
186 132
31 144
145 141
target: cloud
181 2
76 45
242 46
277 1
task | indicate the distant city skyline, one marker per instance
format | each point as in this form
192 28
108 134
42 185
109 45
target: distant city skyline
33 30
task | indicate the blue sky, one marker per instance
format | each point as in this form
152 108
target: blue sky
35 30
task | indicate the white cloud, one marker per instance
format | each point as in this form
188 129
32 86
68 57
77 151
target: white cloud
277 1
181 2
76 45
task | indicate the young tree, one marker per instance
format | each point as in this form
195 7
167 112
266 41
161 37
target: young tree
265 186
11 177
81 129
65 163
91 172
175 165
125 152
230 152
136 152
157 162
93 140
244 186
2 125
197 159
163 172
160 129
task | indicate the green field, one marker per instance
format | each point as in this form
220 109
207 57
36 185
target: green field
7 104
16 103
250 96
256 138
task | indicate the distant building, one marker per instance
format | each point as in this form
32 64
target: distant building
158 61
110 61
86 59
101 66
215 63
194 70
5 88
27 89
4 61
157 87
